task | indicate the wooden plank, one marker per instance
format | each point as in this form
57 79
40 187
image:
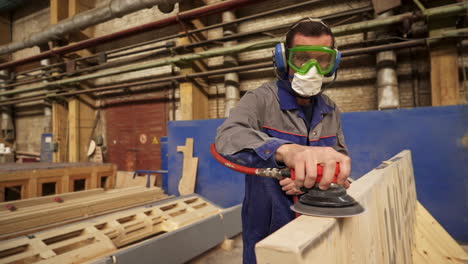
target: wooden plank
92 238
45 214
74 130
384 234
432 243
189 168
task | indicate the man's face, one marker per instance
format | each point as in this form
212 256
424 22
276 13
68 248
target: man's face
299 39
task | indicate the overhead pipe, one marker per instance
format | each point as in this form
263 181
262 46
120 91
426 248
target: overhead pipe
116 8
345 53
231 79
185 77
181 47
186 15
340 30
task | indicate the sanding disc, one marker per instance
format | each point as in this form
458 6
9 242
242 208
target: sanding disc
335 212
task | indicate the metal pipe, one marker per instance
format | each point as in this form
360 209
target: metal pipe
387 21
116 8
96 67
387 82
345 53
187 15
184 47
231 80
186 77
222 24
146 65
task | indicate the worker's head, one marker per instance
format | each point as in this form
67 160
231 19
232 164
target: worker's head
310 55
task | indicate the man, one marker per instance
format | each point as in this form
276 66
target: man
287 122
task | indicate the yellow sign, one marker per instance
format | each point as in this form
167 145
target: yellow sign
155 140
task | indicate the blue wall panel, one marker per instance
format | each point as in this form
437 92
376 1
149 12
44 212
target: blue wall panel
214 182
433 135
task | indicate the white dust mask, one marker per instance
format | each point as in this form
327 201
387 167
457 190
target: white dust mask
309 84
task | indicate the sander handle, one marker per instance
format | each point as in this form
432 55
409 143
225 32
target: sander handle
290 173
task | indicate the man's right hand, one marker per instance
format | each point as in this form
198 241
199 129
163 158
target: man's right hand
304 160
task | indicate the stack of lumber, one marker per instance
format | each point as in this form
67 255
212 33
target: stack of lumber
28 178
395 228
29 215
97 237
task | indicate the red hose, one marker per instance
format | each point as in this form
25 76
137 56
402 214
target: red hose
231 165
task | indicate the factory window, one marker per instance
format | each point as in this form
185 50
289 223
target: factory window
12 193
79 185
48 188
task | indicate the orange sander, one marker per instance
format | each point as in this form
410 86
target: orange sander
333 202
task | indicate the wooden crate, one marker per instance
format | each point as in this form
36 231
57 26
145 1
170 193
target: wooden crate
28 180
86 240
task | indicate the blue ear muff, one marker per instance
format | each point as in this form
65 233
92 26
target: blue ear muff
280 59
337 63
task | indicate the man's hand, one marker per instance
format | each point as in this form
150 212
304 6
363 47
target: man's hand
289 187
304 160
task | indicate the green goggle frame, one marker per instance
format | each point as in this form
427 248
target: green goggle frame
323 67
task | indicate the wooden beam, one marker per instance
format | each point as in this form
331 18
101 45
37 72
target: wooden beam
74 130
445 84
193 99
383 234
58 11
60 131
87 116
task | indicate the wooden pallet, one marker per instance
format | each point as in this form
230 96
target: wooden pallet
86 240
31 214
29 180
389 232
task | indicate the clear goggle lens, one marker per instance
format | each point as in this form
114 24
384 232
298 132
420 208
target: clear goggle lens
302 58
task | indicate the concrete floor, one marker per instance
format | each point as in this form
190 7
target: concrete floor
218 255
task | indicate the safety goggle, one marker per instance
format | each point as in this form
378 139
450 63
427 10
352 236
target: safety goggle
302 58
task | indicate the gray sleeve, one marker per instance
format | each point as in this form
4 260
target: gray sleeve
242 129
340 144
